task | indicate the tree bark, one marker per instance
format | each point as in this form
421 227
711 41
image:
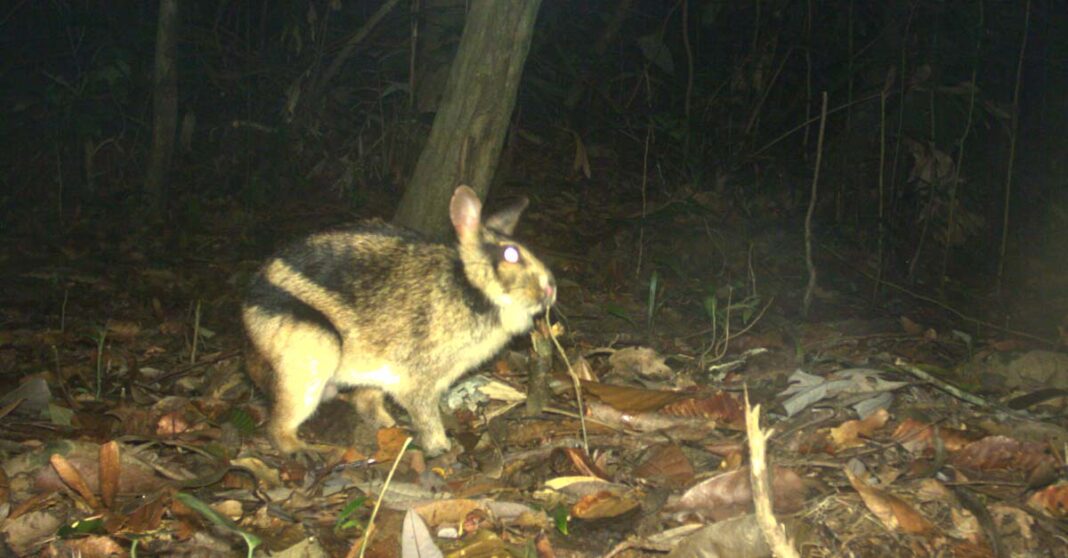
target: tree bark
165 105
469 128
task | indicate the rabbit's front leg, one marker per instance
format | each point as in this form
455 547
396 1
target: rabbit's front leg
370 405
421 402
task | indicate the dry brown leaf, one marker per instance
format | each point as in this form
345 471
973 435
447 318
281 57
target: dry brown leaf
721 406
847 434
917 436
1004 453
453 511
1052 501
910 327
390 442
5 488
136 477
171 424
603 504
92 546
73 479
1021 518
816 441
630 399
123 330
724 448
172 327
893 512
575 461
682 428
668 464
581 485
147 517
110 468
584 370
1005 345
352 455
639 361
581 163
544 546
967 525
730 494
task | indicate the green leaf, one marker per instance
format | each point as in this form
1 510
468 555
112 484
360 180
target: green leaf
711 304
241 420
195 504
560 519
618 311
82 527
60 415
346 519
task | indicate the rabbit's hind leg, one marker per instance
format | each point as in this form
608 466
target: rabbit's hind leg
304 356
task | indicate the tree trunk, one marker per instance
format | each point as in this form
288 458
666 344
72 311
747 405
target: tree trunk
165 105
468 132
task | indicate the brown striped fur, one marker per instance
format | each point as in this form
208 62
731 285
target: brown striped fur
380 309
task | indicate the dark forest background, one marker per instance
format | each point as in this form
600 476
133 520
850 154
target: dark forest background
294 116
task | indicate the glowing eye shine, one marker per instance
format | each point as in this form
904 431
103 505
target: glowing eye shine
511 254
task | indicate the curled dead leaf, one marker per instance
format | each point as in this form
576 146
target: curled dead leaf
604 504
668 464
894 513
848 434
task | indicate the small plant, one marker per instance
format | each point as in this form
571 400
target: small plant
347 519
195 504
101 366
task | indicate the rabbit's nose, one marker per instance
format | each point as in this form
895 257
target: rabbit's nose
549 290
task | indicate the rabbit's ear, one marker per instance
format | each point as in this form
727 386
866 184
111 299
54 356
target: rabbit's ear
465 211
505 220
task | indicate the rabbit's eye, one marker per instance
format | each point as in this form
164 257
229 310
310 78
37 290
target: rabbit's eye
510 254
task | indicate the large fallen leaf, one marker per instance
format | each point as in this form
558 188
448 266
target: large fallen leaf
918 437
730 494
807 389
1052 501
575 461
416 541
447 512
847 434
666 463
733 538
604 504
894 513
74 480
681 428
631 399
390 441
721 406
1001 453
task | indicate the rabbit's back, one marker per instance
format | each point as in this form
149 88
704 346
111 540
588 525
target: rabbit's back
401 296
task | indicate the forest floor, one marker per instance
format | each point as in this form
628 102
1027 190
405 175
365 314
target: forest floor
128 425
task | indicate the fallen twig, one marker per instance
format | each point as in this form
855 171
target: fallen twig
774 532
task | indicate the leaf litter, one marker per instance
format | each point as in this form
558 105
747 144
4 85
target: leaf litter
118 435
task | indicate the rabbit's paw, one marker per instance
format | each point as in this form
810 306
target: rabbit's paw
435 444
287 442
